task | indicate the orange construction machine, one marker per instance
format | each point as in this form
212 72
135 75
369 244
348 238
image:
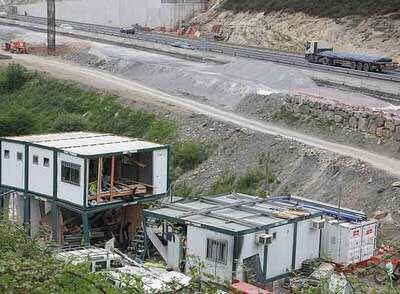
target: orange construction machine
17 47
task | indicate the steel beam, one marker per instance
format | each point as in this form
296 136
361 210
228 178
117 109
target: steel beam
51 26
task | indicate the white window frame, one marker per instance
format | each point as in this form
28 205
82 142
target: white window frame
217 250
71 166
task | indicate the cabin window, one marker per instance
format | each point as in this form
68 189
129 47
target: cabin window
70 173
46 162
100 265
6 154
19 156
35 159
217 250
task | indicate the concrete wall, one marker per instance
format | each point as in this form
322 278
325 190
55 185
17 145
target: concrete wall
14 207
153 13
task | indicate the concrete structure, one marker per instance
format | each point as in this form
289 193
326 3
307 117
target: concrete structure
81 172
119 13
240 236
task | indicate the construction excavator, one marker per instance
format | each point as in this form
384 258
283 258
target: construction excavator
16 47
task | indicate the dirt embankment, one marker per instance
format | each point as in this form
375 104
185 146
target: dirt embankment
290 30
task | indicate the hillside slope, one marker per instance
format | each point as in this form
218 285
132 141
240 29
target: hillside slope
373 29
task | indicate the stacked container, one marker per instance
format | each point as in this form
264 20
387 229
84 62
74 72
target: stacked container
348 243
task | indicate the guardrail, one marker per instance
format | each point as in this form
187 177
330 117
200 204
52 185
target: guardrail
285 58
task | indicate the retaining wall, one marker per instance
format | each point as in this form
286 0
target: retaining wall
120 13
360 119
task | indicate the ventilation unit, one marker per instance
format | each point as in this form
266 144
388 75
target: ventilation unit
264 239
318 224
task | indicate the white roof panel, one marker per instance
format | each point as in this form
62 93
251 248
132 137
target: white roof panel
87 143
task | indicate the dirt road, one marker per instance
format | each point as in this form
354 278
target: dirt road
131 90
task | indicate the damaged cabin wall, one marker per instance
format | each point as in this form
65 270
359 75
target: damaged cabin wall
197 247
14 207
40 174
307 244
249 248
14 177
279 255
160 171
67 191
36 217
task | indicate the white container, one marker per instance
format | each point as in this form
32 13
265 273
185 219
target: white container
348 243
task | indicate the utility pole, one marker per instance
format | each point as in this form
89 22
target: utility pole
51 26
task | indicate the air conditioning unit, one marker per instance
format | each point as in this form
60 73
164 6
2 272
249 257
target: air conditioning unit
263 239
318 224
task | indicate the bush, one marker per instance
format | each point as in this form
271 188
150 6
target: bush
182 190
13 78
16 122
250 183
69 122
188 155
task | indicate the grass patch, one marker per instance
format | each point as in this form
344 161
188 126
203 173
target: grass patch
336 8
187 155
183 190
253 182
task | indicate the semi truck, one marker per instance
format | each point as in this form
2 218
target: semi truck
320 52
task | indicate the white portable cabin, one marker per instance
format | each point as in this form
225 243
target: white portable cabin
83 171
239 236
60 162
348 242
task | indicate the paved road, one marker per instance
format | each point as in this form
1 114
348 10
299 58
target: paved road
130 89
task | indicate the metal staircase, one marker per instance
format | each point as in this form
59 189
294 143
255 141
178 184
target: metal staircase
137 246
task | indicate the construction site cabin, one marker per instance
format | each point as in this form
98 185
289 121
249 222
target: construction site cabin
82 172
237 236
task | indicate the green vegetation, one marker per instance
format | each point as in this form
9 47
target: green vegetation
336 8
183 190
33 103
250 183
26 266
187 155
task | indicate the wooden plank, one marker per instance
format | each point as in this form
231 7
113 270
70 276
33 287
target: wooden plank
99 178
112 178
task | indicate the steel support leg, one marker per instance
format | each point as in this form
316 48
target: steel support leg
85 223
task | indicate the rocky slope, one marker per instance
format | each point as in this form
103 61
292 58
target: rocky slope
284 30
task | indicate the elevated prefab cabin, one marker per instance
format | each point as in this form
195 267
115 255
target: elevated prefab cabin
83 172
238 236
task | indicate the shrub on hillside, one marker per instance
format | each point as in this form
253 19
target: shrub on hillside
13 78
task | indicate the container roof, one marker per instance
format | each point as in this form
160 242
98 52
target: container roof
232 213
87 143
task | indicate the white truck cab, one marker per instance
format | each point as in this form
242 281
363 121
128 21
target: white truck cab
315 47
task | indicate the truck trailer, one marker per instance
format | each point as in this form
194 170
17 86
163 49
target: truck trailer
319 52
